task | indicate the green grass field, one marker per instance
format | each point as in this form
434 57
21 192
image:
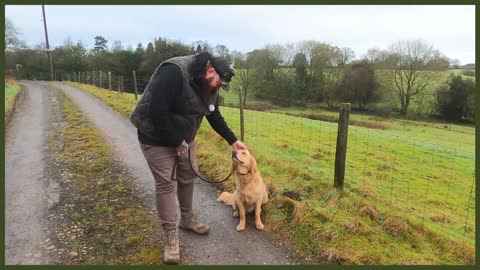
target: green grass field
409 188
11 91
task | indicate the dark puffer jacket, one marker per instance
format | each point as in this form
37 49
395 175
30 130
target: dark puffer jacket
181 115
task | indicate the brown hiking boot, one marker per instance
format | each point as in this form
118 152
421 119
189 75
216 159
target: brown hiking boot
188 221
171 253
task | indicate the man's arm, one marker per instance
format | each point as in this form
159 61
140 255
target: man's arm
217 122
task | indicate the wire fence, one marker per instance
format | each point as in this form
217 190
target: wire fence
425 182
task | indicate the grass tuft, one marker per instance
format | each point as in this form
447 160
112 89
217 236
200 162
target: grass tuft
11 92
396 226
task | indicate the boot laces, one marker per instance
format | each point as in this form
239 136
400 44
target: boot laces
171 237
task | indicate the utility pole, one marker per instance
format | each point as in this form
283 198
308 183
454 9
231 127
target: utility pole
48 46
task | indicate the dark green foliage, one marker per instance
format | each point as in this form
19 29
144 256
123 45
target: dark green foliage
150 50
100 44
358 85
456 100
33 62
300 64
140 50
70 57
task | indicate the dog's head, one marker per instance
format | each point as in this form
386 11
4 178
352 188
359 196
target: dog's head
243 162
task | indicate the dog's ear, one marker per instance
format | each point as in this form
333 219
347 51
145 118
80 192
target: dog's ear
253 165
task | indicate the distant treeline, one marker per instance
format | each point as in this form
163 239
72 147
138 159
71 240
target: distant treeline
305 72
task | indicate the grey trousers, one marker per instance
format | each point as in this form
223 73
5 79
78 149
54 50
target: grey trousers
161 161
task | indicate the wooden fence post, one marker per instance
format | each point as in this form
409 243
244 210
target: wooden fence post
100 79
341 152
110 80
242 126
135 84
119 86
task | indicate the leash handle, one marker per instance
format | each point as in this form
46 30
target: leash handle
174 171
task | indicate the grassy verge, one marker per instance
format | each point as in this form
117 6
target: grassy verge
420 216
101 218
11 91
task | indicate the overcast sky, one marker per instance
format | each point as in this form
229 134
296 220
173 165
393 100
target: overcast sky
451 29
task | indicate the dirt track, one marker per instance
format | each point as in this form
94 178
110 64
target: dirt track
28 191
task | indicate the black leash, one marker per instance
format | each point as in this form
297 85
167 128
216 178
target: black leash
203 178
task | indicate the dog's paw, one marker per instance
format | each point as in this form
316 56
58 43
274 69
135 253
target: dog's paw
236 214
240 227
259 226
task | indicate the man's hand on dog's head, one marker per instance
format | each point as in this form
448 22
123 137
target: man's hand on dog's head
238 145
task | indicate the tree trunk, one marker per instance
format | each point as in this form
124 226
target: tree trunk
407 102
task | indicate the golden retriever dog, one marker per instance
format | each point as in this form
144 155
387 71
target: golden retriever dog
251 192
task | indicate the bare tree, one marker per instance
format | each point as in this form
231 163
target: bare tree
117 46
323 72
222 50
455 63
347 55
244 79
238 59
243 71
12 40
378 57
372 55
414 68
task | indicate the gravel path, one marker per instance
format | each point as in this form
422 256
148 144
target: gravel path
28 193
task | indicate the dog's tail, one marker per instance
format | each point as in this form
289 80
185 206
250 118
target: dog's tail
226 198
